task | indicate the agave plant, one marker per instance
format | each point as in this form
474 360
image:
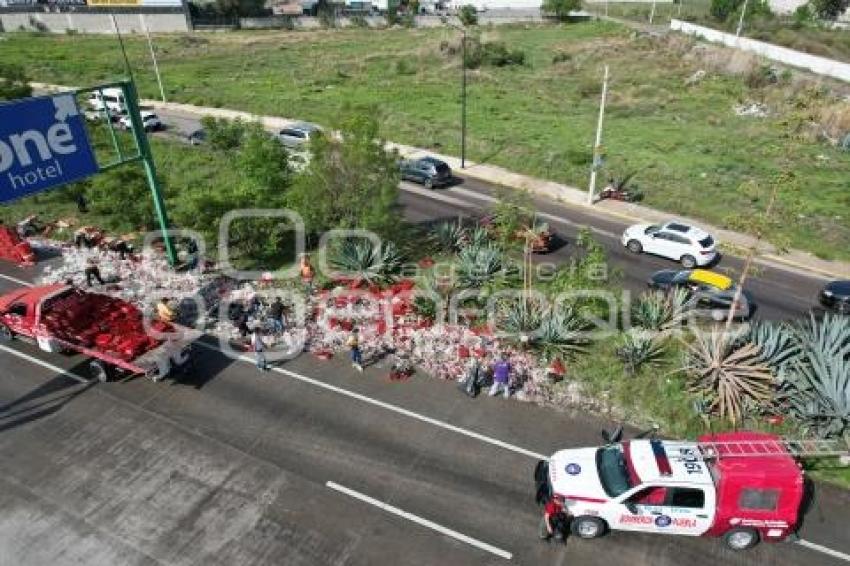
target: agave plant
638 348
361 260
554 333
479 237
449 236
479 265
660 311
728 374
778 344
817 386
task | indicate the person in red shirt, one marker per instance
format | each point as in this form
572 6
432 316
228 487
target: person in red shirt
554 521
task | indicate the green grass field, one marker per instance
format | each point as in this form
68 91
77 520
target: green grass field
691 149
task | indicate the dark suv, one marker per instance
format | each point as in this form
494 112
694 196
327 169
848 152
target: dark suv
429 171
835 296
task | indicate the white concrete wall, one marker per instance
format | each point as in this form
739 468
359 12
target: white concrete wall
814 63
93 23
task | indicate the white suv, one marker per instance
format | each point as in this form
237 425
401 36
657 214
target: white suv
674 240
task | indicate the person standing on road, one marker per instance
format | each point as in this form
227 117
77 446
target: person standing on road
276 316
307 274
259 348
92 272
501 377
353 344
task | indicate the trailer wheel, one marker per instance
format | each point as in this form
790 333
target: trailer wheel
741 539
6 333
99 370
588 527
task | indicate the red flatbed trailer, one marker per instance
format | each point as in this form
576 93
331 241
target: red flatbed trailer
108 330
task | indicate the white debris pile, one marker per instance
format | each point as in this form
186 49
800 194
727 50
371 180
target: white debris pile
752 109
140 279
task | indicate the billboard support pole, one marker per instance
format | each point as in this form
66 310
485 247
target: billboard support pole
141 139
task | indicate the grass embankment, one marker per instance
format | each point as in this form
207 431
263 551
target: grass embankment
691 148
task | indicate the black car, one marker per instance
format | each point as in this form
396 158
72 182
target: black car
711 293
836 296
429 171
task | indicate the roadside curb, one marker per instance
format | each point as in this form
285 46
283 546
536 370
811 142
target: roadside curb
560 193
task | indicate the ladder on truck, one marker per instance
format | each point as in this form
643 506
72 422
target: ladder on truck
805 448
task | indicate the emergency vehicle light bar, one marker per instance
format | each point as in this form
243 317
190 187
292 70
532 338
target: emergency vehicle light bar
783 447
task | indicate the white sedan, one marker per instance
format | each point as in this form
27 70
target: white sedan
674 240
150 122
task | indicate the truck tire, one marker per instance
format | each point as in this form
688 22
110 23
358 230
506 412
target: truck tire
6 333
99 371
741 538
634 246
588 527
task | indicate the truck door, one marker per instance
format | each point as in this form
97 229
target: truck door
20 319
667 509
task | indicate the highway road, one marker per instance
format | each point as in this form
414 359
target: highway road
309 464
779 292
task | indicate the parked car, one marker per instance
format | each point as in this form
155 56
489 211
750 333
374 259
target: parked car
298 135
429 171
712 293
150 122
111 98
198 137
835 296
674 240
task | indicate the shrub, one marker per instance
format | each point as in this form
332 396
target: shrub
224 134
659 311
493 53
358 21
721 9
403 67
468 15
561 57
479 265
449 236
830 9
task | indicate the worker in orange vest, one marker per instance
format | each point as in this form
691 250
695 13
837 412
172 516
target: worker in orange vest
307 273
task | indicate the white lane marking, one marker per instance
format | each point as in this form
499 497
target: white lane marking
393 408
420 521
434 195
16 280
44 364
824 549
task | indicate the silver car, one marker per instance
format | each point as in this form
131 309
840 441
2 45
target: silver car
298 135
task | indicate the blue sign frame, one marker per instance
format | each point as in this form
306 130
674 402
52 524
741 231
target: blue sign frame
43 144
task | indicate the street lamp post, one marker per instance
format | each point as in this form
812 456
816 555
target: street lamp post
462 95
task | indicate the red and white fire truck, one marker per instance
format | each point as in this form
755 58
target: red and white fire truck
108 330
742 486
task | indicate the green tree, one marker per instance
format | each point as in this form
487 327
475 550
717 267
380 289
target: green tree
351 181
468 15
560 9
223 134
14 82
263 161
123 196
720 10
830 9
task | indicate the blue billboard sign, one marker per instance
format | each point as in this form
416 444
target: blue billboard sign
43 143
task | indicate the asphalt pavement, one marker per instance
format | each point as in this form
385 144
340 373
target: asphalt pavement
311 463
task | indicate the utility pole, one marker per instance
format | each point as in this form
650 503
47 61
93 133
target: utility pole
597 147
462 95
741 19
153 56
463 103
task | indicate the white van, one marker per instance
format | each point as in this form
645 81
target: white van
111 98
